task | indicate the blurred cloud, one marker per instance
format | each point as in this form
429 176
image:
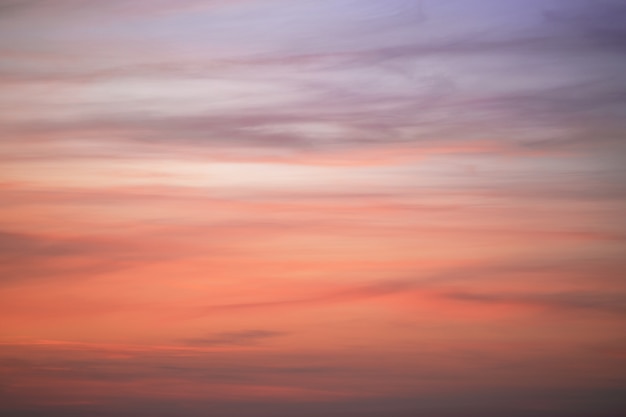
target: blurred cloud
333 207
610 303
40 257
240 338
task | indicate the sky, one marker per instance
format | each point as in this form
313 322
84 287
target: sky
342 208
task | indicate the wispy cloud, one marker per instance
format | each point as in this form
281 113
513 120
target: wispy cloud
239 338
27 257
600 302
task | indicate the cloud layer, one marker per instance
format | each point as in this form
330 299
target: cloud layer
337 207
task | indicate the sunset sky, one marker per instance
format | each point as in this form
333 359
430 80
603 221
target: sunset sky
312 208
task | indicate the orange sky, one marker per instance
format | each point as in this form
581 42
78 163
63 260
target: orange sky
342 208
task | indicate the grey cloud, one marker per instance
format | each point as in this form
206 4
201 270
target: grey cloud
514 395
116 7
599 21
239 338
16 245
27 257
584 301
11 6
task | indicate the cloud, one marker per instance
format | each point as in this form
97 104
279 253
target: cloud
323 297
517 373
28 258
239 338
135 8
333 207
568 301
370 98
